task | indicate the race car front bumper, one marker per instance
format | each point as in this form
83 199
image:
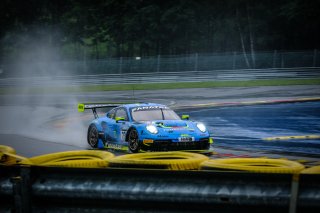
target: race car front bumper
169 145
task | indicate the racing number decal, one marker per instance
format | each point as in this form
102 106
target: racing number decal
185 138
123 134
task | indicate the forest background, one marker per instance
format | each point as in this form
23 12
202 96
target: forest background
119 28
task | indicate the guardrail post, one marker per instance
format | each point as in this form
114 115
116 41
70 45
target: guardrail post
85 60
234 60
21 191
120 65
274 61
294 193
315 58
158 64
196 62
16 189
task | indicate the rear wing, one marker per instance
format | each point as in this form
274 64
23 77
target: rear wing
93 106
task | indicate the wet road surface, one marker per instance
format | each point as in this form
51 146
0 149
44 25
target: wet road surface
31 123
246 127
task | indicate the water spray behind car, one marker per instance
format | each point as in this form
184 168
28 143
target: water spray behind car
35 106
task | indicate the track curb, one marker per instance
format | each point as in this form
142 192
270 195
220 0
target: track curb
292 137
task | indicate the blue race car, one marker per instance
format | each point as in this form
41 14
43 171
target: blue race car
145 126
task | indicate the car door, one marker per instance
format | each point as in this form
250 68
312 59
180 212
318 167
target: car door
108 126
120 127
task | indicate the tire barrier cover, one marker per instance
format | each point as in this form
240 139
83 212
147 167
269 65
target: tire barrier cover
7 155
258 165
311 170
160 160
82 158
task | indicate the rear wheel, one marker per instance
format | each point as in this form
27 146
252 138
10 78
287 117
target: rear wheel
133 141
93 136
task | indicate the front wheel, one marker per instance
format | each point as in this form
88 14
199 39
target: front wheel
133 141
93 136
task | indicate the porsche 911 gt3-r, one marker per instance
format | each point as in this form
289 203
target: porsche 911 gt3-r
145 126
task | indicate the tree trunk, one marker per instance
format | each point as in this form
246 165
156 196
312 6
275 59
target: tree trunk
97 49
253 57
242 41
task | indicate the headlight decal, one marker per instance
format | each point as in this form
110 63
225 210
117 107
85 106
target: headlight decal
201 127
152 129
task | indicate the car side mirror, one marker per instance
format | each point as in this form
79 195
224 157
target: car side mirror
185 117
118 119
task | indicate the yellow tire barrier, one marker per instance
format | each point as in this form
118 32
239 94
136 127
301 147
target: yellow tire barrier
258 165
5 157
311 170
82 158
159 160
8 155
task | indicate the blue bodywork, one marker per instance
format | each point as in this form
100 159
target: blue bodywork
177 134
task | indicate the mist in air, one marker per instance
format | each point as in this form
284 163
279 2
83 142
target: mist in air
33 110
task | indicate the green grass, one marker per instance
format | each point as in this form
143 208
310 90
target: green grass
158 86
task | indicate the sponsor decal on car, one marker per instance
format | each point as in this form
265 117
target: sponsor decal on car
163 136
123 134
116 147
147 142
148 108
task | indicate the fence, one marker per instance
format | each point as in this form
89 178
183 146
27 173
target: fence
40 189
178 63
163 69
163 77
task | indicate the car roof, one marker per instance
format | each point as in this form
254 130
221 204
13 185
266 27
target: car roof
142 105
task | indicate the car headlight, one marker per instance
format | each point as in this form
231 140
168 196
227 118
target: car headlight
152 129
201 127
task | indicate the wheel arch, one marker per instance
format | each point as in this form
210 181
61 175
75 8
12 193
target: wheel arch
128 132
98 126
90 126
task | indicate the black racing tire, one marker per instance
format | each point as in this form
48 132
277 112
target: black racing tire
77 158
311 170
93 136
159 160
133 141
258 165
7 155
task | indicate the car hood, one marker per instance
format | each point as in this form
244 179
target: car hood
171 123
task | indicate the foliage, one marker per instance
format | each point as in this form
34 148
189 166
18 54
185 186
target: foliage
121 28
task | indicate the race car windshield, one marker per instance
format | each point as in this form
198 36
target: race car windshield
154 114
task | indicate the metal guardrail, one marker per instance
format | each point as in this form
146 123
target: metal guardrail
165 77
40 189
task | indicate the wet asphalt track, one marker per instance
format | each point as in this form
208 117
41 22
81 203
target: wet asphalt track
40 124
246 127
